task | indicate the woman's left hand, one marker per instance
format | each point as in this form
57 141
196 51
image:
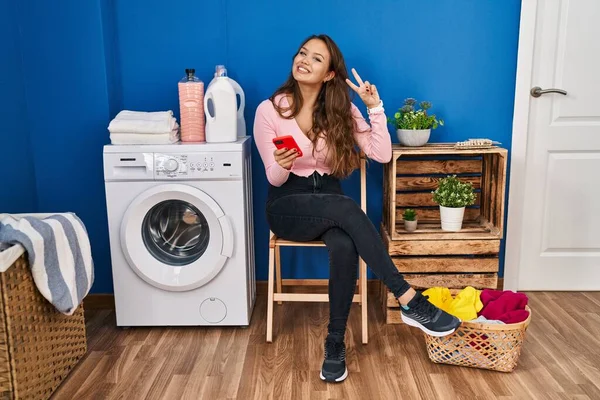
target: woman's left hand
366 91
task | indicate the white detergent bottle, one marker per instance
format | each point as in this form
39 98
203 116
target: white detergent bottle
220 70
241 123
220 107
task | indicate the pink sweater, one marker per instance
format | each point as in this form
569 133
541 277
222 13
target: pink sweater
374 140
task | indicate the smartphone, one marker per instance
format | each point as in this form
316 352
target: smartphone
288 142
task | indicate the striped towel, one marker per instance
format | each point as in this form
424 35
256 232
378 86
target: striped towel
59 254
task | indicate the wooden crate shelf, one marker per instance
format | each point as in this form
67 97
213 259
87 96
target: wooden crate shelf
427 247
414 173
429 256
449 263
446 264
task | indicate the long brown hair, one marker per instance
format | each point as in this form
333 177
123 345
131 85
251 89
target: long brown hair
332 116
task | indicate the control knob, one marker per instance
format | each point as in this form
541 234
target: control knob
171 165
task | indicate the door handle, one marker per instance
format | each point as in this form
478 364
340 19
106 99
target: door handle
538 91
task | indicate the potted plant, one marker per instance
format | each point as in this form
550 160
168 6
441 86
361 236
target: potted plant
410 220
453 196
413 126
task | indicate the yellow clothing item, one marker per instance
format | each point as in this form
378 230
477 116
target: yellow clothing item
465 305
439 297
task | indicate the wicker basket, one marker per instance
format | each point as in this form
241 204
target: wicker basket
39 346
476 345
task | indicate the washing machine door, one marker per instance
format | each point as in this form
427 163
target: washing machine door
176 237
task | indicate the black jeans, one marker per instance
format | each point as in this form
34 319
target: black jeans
311 208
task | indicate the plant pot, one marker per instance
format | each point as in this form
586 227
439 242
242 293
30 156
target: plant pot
452 218
413 137
410 226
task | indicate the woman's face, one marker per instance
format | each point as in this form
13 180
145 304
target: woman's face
311 64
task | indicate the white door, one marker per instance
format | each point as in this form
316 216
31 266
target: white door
176 237
553 241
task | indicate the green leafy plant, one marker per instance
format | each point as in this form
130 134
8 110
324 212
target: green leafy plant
451 192
408 117
409 214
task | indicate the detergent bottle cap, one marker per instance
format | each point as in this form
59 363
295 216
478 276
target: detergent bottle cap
190 76
190 73
220 70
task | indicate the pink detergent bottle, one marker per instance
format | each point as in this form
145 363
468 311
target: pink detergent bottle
191 108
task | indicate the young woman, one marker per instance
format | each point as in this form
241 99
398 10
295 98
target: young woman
305 200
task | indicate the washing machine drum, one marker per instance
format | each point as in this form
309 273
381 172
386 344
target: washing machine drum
176 237
175 232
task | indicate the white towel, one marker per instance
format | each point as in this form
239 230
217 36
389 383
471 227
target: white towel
9 253
143 122
484 320
143 138
145 115
59 255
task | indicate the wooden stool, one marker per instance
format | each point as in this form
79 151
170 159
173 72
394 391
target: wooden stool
275 245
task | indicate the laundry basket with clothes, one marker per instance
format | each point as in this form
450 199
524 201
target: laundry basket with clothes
492 333
46 270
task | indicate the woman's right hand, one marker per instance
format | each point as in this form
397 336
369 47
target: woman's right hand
285 157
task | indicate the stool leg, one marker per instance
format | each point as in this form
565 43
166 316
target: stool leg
270 289
278 271
360 290
363 301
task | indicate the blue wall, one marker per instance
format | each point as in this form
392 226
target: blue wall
17 191
84 61
65 83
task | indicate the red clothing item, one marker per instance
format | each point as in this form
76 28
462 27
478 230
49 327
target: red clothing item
506 306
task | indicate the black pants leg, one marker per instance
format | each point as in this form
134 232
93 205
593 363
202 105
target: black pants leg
304 217
343 268
314 207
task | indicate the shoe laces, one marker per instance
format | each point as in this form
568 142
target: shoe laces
335 350
424 307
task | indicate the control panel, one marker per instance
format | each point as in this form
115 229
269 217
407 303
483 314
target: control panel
194 166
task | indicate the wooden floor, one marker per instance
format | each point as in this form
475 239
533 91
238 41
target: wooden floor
560 360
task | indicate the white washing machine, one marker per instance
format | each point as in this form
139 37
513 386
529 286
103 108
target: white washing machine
181 233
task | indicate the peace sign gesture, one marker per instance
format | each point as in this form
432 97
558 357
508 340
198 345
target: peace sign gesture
366 91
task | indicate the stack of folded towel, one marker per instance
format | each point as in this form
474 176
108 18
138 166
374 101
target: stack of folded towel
138 127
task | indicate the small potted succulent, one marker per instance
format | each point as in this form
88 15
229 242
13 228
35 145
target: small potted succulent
410 220
413 126
453 196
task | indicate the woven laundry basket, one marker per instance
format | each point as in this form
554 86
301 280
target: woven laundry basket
489 346
39 346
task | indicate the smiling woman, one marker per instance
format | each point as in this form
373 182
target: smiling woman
305 199
319 68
